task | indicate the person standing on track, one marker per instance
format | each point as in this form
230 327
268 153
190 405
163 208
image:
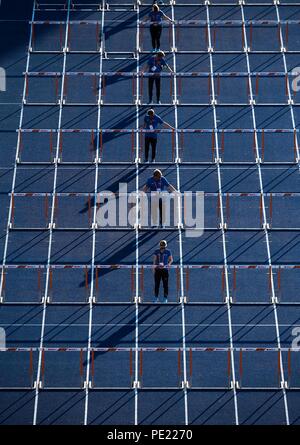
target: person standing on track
162 259
151 123
155 65
156 184
156 17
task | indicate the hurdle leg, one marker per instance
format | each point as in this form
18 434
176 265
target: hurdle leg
31 368
81 370
271 209
86 281
289 368
190 366
263 145
93 368
178 284
12 215
96 283
60 145
179 367
230 383
3 285
51 145
234 284
41 383
240 367
279 283
39 282
50 285
141 366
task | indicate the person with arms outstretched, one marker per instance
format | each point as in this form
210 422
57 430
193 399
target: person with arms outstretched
151 122
162 259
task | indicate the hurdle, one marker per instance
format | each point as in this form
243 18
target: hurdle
27 365
49 365
243 351
177 352
227 373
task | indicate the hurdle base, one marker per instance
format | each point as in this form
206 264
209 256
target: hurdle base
183 300
45 300
228 300
37 385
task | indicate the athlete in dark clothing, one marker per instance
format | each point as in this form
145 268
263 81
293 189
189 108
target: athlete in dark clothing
162 259
151 123
157 184
155 66
156 17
